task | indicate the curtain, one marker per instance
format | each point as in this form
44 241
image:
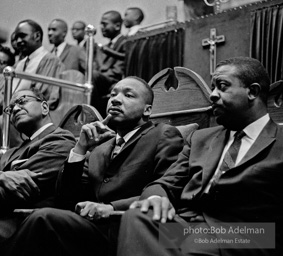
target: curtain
152 52
266 42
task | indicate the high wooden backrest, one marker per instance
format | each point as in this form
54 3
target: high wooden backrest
181 97
68 97
77 116
275 101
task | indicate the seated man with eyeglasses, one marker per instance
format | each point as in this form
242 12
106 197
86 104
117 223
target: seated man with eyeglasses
28 173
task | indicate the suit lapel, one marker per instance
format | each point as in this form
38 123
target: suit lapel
64 53
265 138
116 47
143 130
17 152
215 151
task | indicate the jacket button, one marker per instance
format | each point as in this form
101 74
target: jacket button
106 180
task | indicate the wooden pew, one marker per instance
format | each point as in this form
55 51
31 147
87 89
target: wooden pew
275 101
181 97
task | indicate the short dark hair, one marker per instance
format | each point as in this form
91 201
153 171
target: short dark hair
139 12
115 16
64 23
150 96
35 26
250 71
11 57
81 22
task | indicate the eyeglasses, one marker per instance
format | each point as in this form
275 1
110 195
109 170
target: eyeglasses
20 102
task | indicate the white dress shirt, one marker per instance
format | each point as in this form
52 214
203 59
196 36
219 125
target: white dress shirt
133 30
34 60
60 48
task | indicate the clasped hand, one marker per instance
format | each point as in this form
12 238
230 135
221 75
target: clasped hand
20 184
161 206
92 210
93 134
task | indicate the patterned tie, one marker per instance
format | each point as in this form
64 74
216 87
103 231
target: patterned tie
117 147
24 69
230 157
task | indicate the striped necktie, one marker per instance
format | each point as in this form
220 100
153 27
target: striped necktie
230 157
117 147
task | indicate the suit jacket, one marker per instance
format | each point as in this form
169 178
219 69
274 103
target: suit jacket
144 158
46 153
108 66
51 66
249 192
74 57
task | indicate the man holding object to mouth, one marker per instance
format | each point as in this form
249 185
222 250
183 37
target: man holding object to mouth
117 172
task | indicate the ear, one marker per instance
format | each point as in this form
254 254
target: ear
254 91
147 110
36 36
118 26
44 108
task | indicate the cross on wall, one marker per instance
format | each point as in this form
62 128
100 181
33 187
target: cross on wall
211 42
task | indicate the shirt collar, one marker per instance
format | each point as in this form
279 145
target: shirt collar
36 53
128 135
39 131
115 39
133 30
255 128
60 48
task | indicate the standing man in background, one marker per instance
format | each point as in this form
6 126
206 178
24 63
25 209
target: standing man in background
78 32
108 67
72 56
38 60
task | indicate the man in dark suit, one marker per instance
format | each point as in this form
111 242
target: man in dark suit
28 173
73 57
212 183
109 66
115 176
78 33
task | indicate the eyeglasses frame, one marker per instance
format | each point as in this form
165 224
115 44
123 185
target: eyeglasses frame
9 109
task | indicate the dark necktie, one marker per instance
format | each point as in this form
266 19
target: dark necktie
230 157
24 69
117 147
26 64
55 50
110 44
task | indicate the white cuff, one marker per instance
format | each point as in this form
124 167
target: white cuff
74 157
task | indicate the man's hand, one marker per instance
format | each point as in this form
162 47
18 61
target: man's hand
20 183
93 134
162 208
92 210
